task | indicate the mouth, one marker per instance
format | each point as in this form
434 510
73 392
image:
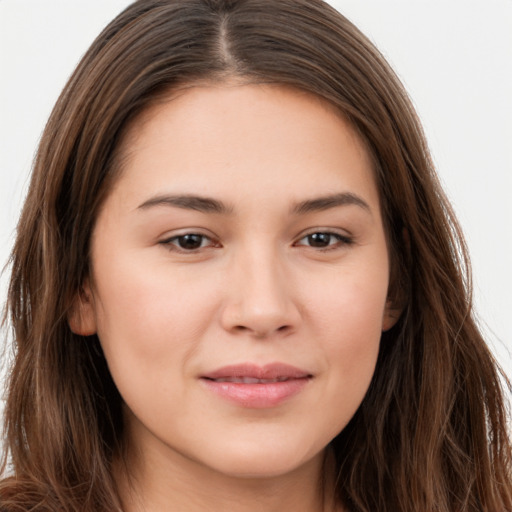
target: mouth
249 380
258 387
273 372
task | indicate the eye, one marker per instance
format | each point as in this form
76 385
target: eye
188 242
324 240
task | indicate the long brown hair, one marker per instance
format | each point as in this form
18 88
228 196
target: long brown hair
430 434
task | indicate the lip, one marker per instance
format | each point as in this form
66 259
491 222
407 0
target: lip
252 386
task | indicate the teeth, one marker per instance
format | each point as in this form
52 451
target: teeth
251 380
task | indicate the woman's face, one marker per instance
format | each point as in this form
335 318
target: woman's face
239 279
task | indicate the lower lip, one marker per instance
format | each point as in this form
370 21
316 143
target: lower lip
257 396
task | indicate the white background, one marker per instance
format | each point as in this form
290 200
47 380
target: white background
454 56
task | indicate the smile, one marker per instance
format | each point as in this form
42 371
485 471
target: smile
251 380
252 386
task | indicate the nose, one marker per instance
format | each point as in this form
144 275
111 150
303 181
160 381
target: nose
260 298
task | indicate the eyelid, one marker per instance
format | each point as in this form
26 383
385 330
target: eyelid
343 237
168 241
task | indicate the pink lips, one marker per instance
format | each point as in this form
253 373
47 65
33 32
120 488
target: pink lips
255 386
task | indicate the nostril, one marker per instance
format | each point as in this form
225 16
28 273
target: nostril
261 333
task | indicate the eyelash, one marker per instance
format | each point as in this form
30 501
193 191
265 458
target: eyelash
341 240
173 243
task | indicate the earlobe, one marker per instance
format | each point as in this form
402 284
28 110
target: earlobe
398 292
82 318
391 315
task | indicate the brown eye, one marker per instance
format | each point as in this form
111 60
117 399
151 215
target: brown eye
324 240
320 239
188 242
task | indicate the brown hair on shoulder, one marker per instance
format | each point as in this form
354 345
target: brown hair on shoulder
431 433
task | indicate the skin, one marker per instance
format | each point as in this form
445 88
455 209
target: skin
258 288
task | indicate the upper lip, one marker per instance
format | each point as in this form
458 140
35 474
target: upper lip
270 371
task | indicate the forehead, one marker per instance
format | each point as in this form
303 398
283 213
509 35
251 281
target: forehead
206 137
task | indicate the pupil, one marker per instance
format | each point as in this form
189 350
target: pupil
319 239
190 241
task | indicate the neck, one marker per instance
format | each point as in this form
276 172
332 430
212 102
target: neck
157 484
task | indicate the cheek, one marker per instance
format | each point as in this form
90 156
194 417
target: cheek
352 331
351 304
349 319
148 319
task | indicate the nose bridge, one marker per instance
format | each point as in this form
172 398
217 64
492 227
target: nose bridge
260 300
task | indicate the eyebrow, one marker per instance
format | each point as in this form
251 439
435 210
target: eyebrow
210 205
188 202
330 201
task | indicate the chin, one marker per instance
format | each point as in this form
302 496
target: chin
258 460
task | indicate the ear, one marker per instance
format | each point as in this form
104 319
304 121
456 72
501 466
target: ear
398 289
82 318
391 315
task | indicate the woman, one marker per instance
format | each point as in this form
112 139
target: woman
237 283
